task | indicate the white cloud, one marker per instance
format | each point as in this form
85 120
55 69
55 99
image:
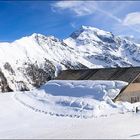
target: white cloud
83 8
132 19
73 25
80 8
110 15
103 11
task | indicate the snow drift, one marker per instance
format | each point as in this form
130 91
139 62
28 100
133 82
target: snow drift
84 99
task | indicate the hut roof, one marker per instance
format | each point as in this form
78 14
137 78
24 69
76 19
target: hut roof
128 74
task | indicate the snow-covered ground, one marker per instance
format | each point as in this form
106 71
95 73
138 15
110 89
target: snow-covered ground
18 121
49 113
80 99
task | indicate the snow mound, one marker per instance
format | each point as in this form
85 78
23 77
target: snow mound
98 89
84 99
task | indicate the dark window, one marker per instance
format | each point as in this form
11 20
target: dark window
134 99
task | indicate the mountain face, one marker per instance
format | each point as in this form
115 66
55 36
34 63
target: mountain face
31 61
103 49
132 38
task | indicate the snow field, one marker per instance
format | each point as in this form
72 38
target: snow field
79 99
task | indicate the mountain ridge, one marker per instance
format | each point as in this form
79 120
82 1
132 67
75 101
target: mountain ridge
29 62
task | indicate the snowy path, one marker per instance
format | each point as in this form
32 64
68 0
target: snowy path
17 121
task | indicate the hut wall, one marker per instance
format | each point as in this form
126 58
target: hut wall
131 93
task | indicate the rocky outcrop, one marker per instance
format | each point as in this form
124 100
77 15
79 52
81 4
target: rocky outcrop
4 87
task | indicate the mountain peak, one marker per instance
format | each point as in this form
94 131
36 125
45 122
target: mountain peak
88 31
88 28
36 35
94 29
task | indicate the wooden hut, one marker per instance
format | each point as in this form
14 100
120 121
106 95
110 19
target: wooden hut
130 93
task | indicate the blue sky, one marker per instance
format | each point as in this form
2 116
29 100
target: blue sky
61 18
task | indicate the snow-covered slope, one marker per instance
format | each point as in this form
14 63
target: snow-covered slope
31 61
104 49
132 38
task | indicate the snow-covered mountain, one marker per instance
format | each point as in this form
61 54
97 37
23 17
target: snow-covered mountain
132 38
104 49
31 61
